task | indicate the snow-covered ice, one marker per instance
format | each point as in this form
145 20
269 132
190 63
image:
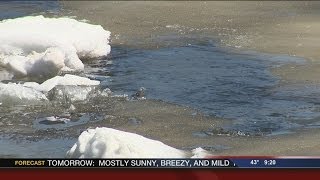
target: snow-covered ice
67 94
40 46
111 143
75 87
66 80
16 93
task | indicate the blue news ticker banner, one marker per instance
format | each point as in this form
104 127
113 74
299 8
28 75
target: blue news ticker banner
212 162
277 162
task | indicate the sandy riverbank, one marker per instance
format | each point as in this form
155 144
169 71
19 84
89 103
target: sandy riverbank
180 127
277 27
274 27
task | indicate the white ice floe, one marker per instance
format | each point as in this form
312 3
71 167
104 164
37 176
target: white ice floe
66 80
67 94
39 46
110 143
75 87
5 75
16 93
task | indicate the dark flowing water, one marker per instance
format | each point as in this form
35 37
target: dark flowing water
220 82
14 9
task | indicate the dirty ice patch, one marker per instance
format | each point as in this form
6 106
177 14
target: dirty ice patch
110 143
39 46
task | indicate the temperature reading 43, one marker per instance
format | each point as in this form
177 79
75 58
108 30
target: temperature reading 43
254 162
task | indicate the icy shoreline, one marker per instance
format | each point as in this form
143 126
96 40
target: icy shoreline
42 47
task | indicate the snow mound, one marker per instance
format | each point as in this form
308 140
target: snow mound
39 46
110 143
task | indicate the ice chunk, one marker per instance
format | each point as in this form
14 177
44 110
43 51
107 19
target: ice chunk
199 153
110 143
39 46
62 88
105 92
69 93
4 74
33 85
48 63
18 94
52 120
66 80
68 87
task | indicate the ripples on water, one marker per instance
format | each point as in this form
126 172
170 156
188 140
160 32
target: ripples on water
14 9
219 82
